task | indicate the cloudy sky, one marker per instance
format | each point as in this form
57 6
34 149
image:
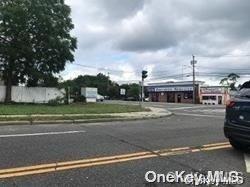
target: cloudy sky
123 37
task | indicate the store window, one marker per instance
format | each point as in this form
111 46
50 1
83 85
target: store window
188 95
205 98
209 98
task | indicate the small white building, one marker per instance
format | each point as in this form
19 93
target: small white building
214 95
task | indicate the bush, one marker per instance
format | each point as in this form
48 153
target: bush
56 101
80 98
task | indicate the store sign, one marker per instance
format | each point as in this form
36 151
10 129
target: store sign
172 89
212 90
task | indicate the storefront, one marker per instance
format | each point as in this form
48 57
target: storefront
214 95
174 92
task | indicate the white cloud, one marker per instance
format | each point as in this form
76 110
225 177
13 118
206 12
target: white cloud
161 36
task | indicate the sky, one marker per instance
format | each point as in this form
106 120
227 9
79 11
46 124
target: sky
120 38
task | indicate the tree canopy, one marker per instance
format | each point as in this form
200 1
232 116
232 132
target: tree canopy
132 90
35 41
105 86
230 81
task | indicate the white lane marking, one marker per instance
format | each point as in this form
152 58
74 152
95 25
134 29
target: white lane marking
247 161
211 110
198 115
40 134
191 107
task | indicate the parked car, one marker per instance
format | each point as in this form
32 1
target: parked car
99 98
106 97
237 120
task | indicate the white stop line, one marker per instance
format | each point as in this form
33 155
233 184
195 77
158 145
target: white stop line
40 134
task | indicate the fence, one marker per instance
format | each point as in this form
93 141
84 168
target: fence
21 94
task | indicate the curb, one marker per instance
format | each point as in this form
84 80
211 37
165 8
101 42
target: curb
77 121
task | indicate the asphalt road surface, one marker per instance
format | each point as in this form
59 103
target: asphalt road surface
119 153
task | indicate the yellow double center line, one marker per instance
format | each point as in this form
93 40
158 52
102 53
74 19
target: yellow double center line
84 163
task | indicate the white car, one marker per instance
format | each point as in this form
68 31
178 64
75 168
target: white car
99 98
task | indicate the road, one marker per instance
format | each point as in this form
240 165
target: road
119 153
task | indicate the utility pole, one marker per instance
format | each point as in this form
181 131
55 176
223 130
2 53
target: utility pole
193 62
142 90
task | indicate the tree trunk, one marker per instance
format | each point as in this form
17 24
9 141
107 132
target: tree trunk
8 87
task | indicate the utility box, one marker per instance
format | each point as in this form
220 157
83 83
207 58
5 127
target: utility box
90 94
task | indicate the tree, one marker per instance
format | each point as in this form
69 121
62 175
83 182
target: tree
105 86
35 41
132 90
230 81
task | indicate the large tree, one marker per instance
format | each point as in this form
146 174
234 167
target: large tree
230 81
35 41
105 86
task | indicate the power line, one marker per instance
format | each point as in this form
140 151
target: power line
224 56
224 68
103 69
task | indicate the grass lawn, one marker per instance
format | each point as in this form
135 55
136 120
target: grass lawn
90 108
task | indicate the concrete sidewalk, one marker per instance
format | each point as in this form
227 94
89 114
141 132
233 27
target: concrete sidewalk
153 113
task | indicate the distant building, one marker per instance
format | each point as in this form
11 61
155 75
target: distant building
214 95
174 92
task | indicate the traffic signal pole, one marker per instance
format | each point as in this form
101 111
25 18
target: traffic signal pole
142 90
144 75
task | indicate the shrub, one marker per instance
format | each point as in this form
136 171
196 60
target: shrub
57 101
80 98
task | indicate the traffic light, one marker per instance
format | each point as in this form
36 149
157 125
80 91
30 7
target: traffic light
144 74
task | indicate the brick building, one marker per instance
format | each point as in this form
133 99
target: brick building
174 92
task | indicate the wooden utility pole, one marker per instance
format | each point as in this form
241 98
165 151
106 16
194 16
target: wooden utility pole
193 62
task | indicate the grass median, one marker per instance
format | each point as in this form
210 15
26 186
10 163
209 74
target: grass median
40 112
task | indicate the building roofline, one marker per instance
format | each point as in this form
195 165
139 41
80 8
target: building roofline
174 83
